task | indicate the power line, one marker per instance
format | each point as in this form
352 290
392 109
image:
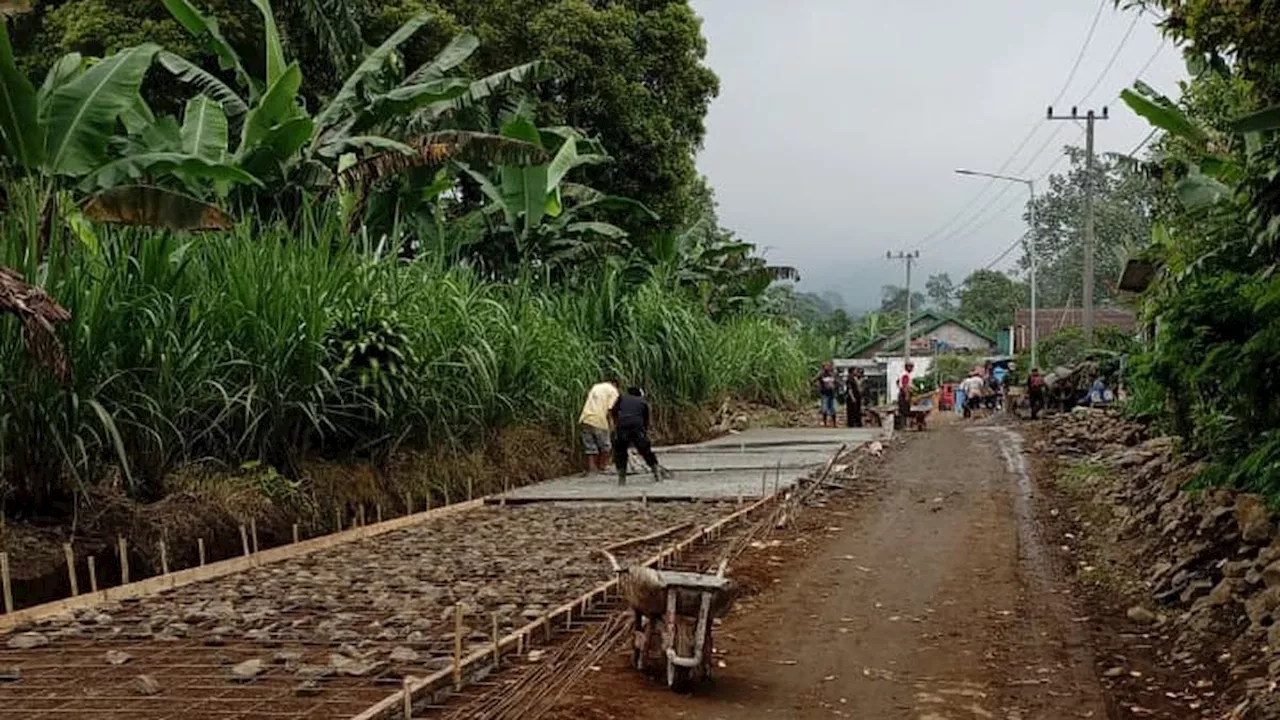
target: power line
1084 47
964 228
1111 63
1007 250
1080 55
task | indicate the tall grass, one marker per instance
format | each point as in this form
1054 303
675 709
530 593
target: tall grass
264 344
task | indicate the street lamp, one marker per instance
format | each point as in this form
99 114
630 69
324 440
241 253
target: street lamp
1031 242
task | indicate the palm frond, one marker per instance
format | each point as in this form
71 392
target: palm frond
37 312
333 23
438 148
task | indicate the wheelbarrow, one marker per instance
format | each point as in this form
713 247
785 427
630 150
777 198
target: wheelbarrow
674 613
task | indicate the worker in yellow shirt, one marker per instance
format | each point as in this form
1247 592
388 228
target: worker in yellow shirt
595 422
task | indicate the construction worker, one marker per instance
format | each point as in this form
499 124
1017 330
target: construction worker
594 422
631 419
1035 392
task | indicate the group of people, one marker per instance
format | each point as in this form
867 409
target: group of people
986 387
851 391
613 423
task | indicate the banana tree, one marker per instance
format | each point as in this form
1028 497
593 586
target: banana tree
66 133
536 210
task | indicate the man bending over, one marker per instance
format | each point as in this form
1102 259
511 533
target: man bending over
631 418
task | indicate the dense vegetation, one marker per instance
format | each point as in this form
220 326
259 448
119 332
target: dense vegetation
414 247
1215 304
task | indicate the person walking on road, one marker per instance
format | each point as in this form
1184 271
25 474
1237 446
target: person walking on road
630 415
904 397
1035 392
827 383
853 398
972 387
594 422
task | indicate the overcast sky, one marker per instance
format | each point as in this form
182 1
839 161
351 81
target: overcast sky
840 122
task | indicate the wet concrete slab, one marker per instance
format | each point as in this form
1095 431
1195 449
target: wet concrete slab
744 465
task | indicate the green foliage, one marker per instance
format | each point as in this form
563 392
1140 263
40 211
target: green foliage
1216 300
988 299
941 293
268 344
952 368
1125 198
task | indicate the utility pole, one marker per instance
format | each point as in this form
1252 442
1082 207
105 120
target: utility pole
1031 243
908 257
1087 297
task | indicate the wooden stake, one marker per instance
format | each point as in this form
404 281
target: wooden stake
546 627
457 647
164 558
644 500
408 698
777 478
124 559
497 656
200 547
4 580
360 513
429 500
408 503
71 568
337 520
446 495
470 494
764 482
244 540
93 574
377 512
520 645
253 532
295 533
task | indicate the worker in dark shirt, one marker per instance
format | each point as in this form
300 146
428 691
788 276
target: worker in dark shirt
631 422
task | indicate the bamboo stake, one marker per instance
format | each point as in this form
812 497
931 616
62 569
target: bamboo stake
93 574
253 532
244 540
457 647
124 559
295 533
71 568
164 558
200 547
497 656
6 582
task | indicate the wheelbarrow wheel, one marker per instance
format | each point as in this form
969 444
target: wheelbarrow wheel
679 679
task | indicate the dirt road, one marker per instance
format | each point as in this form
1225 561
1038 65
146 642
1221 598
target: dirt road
926 597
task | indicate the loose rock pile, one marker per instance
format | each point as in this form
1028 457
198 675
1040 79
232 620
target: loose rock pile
1212 558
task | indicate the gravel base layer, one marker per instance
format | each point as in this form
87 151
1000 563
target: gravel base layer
328 634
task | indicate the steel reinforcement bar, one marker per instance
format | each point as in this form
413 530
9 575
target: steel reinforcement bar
482 662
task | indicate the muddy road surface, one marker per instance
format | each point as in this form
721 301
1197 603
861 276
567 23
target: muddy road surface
927 595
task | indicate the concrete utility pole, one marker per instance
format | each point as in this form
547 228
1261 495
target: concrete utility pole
1031 245
1087 297
908 257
